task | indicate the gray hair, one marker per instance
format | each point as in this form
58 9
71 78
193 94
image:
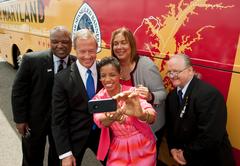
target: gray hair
83 34
60 28
186 59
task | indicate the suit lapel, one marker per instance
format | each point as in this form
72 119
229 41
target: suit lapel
75 75
78 80
190 88
99 84
71 60
49 66
175 100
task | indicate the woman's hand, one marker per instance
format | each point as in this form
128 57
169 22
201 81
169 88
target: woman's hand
132 105
115 116
110 117
144 92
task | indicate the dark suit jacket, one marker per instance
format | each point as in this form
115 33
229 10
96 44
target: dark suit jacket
31 91
71 120
201 132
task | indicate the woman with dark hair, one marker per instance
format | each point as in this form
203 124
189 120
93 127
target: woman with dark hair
125 133
141 72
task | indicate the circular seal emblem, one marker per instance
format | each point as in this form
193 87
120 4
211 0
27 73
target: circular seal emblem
86 18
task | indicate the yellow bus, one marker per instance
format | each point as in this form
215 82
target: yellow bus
206 30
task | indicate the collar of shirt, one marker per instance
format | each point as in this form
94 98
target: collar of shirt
56 61
184 89
83 73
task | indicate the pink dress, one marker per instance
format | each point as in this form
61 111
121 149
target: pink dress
129 144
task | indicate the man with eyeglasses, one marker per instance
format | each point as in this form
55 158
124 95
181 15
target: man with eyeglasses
196 117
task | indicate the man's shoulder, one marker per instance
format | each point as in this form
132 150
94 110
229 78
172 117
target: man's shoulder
73 57
171 94
37 54
37 58
67 72
203 87
67 77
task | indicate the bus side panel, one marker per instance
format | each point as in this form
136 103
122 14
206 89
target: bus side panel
5 51
161 30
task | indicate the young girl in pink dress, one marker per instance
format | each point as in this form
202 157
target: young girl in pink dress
126 137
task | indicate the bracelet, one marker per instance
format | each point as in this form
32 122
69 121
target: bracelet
120 118
109 116
147 116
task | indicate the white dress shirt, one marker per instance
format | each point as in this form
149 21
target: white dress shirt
83 73
184 89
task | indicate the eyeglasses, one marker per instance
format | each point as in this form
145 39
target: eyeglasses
173 74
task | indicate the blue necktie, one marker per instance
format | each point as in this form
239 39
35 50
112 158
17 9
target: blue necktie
90 85
180 96
90 90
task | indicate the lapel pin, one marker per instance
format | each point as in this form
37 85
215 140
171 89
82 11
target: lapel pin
49 70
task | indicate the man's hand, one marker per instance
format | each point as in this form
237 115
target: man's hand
22 128
181 157
178 156
69 161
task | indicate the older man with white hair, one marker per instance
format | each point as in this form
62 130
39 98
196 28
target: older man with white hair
196 117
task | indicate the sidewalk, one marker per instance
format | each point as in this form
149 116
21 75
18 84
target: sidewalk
10 144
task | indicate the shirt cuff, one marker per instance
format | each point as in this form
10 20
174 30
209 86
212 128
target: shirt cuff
62 156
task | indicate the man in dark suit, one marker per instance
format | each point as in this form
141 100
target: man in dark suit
196 118
72 123
31 97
